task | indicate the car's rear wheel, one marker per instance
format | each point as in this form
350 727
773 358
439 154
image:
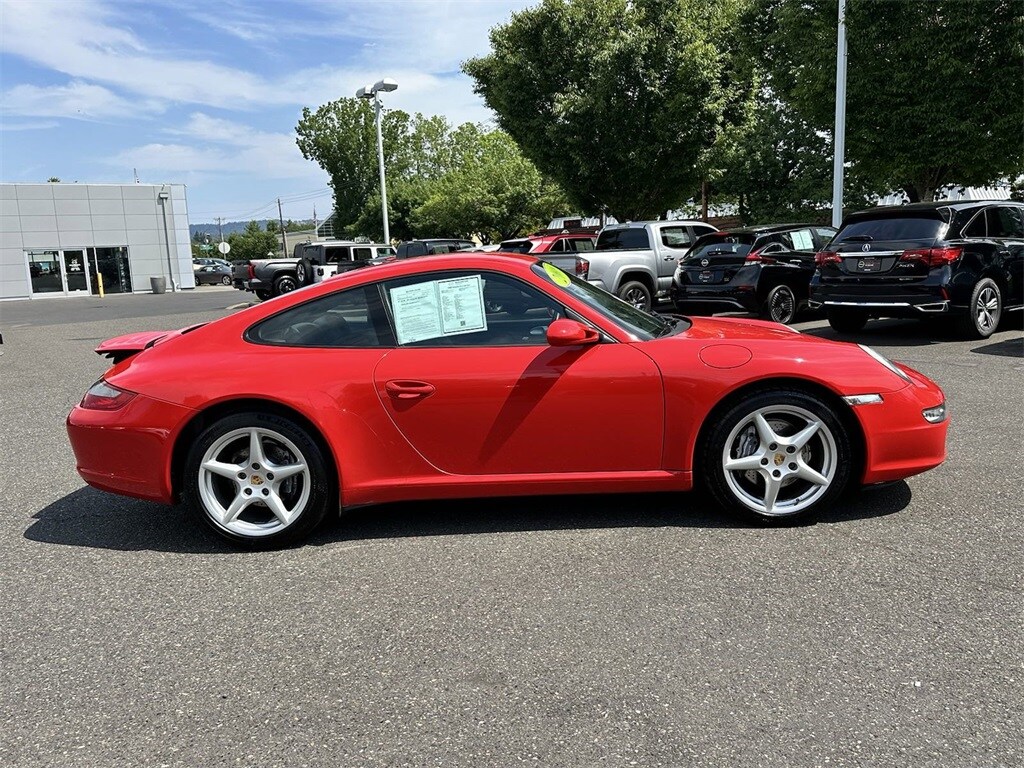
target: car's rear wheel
284 284
777 455
780 306
636 293
847 320
226 280
263 295
984 311
257 479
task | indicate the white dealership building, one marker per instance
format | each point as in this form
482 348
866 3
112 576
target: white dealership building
60 239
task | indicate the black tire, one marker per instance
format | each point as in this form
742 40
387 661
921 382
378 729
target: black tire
263 295
636 293
826 453
983 312
208 496
304 272
284 284
847 320
226 280
781 305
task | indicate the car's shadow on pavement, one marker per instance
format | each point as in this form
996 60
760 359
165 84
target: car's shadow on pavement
1005 348
91 518
894 333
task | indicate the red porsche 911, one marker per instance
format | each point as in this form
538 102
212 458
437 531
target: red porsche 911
489 375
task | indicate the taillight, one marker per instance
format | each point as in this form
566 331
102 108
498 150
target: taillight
755 257
821 258
106 397
582 268
933 257
252 272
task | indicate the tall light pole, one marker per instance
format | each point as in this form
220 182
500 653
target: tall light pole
371 92
839 135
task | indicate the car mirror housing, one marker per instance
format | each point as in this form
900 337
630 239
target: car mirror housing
569 333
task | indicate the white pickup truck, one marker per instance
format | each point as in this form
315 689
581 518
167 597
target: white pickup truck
636 261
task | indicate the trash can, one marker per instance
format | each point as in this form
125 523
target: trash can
159 284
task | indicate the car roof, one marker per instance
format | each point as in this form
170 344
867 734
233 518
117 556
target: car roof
883 211
763 229
674 222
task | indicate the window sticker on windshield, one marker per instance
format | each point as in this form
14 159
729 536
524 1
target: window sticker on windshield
557 276
438 308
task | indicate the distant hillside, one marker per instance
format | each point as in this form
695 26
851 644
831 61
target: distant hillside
238 226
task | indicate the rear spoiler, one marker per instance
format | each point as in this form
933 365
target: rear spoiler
122 347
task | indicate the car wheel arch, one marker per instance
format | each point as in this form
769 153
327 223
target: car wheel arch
843 411
213 413
640 277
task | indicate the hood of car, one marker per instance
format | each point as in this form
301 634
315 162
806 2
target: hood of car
743 329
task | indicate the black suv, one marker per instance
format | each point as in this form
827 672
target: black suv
963 259
437 245
764 270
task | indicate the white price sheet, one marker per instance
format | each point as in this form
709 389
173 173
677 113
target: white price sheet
438 308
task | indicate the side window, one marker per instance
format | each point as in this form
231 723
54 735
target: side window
417 249
802 239
362 254
976 227
469 309
352 318
557 247
676 237
627 238
701 229
581 244
1003 222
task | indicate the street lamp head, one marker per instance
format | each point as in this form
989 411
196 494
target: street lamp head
387 85
365 92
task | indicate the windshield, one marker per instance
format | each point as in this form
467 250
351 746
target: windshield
516 246
643 325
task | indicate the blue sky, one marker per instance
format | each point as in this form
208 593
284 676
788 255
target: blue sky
208 93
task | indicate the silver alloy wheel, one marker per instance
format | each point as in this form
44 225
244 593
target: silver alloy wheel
253 482
637 297
779 460
782 305
986 309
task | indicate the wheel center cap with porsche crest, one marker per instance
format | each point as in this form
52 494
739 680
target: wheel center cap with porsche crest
779 458
256 480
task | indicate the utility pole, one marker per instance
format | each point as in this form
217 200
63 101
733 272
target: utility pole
316 226
220 230
284 237
839 135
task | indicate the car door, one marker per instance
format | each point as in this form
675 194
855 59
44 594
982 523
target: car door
478 391
1006 227
675 242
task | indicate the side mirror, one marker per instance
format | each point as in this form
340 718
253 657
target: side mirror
569 333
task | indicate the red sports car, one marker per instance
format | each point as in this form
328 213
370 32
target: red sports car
405 382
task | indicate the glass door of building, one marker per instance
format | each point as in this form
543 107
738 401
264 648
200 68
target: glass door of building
58 272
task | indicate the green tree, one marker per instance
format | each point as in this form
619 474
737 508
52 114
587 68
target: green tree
619 101
253 243
934 87
495 192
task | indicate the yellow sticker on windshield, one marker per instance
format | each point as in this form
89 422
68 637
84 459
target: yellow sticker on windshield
557 275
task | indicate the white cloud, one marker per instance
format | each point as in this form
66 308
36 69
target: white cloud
78 100
420 44
36 125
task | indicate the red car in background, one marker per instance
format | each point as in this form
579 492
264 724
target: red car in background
569 242
404 382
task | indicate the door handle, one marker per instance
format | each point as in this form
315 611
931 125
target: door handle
408 390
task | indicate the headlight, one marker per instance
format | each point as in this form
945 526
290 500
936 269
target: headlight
886 362
935 415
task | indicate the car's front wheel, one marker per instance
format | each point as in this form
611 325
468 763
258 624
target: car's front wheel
257 479
984 311
777 454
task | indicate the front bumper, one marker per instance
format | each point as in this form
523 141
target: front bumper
899 441
128 451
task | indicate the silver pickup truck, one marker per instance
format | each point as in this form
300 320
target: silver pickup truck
636 261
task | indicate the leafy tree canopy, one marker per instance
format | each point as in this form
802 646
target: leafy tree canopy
617 100
253 243
934 87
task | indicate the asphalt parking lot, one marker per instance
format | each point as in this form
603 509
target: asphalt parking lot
579 631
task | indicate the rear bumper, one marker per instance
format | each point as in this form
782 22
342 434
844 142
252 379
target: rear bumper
128 451
738 293
900 442
883 300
